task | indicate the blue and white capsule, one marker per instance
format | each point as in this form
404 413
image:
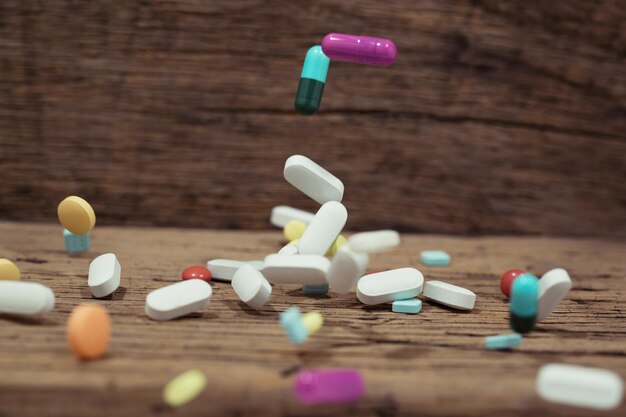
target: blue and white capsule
524 303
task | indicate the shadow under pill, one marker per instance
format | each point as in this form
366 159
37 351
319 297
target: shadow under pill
27 320
451 309
298 293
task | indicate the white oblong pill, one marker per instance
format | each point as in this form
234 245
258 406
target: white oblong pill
376 241
553 287
104 275
388 286
26 298
288 249
312 179
223 269
580 386
251 286
281 215
450 295
179 299
296 269
346 268
321 233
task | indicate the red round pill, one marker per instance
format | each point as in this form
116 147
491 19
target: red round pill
507 280
197 272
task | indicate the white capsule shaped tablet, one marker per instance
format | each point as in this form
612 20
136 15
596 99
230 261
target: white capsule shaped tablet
25 298
553 287
449 295
296 269
104 275
251 287
346 268
281 215
179 299
376 241
580 386
288 249
312 179
388 286
321 233
224 269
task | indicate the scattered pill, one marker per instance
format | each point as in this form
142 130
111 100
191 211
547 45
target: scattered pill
412 306
507 280
282 215
256 264
184 388
296 269
324 229
553 287
89 331
345 269
523 305
177 300
312 81
313 180
104 275
76 243
288 249
435 258
324 386
294 230
338 244
315 289
359 49
8 270
376 241
76 215
503 341
388 286
449 295
224 269
197 272
580 386
25 298
313 321
291 321
251 287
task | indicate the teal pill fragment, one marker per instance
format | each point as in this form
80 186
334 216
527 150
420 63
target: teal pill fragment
76 243
315 289
503 341
435 258
291 320
413 306
315 64
525 296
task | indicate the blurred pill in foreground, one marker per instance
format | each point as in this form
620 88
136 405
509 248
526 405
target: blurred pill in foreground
324 386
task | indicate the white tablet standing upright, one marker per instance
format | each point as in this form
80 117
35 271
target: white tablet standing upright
324 229
553 287
312 179
251 287
104 275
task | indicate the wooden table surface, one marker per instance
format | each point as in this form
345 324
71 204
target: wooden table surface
430 364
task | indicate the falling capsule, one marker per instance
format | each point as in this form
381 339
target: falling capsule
312 80
359 49
524 303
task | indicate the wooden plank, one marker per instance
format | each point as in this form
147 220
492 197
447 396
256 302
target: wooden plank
432 364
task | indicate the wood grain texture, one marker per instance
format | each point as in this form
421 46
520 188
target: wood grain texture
431 364
498 117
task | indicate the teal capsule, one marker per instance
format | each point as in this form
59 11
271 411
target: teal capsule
524 303
312 81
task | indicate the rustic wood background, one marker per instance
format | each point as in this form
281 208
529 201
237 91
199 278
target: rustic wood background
430 364
498 117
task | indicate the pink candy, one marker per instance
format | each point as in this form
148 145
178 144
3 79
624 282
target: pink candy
321 386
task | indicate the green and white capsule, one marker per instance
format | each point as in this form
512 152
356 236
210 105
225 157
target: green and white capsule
312 80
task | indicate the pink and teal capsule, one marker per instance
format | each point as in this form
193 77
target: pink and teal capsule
312 81
326 386
76 243
524 303
359 49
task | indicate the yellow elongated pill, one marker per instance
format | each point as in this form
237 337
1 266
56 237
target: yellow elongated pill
8 270
312 321
337 244
184 388
294 230
76 215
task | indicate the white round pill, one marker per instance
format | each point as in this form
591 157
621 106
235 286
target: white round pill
251 286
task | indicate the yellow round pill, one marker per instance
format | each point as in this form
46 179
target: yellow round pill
8 270
337 244
76 215
294 230
184 388
312 321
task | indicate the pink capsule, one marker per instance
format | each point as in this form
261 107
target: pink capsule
321 386
359 49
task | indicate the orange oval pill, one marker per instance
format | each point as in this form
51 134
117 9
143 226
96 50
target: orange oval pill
89 331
